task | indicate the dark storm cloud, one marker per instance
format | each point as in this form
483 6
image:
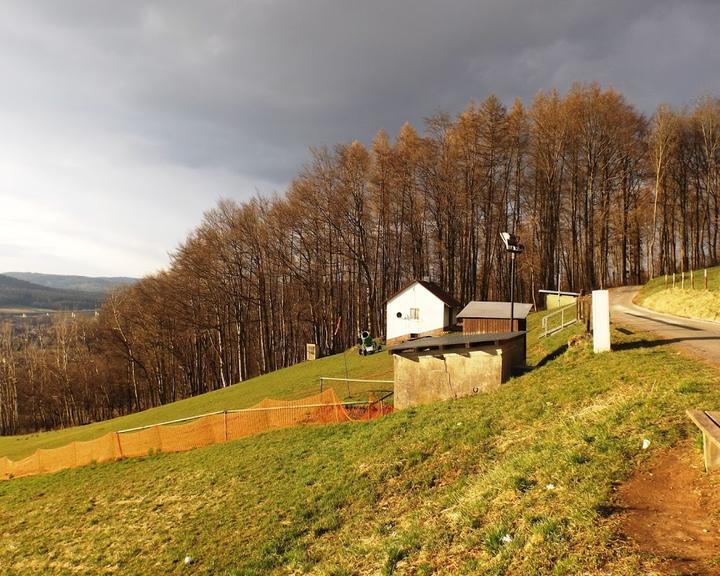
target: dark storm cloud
252 84
241 89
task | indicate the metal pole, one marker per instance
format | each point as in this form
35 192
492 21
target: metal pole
512 291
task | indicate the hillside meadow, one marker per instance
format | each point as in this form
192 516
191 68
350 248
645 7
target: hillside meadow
286 384
690 302
520 481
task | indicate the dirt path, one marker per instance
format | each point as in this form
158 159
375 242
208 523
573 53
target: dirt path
671 509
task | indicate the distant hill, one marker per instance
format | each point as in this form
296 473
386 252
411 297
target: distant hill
81 283
15 293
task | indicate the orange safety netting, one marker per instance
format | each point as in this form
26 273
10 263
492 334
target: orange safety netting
323 408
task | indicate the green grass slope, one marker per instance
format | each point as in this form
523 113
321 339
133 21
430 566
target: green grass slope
688 302
290 383
519 481
287 384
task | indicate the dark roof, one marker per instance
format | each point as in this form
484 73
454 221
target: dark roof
449 300
454 341
494 310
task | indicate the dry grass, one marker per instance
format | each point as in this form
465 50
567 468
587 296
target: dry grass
701 304
659 294
433 490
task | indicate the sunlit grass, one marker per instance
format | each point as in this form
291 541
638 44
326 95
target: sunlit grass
290 383
460 487
659 294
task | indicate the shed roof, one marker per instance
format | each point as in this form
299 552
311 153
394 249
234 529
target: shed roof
454 341
438 292
494 310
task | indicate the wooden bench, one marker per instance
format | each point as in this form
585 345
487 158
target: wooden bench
709 424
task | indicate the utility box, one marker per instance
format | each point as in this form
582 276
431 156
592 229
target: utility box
311 351
601 320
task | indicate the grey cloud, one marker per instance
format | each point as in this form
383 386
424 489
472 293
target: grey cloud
244 87
251 84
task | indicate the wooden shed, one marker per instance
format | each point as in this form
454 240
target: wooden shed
493 317
442 368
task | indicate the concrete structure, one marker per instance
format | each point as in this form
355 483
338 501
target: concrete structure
420 309
493 317
432 369
557 299
601 320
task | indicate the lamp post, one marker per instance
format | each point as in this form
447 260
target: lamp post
513 246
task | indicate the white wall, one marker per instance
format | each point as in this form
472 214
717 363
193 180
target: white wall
601 320
432 312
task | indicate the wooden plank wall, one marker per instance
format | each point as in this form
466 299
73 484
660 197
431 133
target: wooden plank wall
491 325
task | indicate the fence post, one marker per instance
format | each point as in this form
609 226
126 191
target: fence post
119 446
588 312
692 279
666 280
682 280
705 278
673 280
225 424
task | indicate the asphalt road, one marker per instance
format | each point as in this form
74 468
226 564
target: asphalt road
699 337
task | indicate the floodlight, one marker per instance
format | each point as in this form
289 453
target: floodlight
512 242
513 246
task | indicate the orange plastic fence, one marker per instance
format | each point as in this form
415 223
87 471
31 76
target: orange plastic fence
323 408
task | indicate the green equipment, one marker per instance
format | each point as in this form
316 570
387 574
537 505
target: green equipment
366 344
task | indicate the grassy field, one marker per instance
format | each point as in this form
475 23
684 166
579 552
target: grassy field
290 383
687 302
520 481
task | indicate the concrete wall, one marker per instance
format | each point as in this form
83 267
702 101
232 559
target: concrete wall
514 355
432 313
429 376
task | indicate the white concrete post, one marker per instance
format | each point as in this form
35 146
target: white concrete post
601 320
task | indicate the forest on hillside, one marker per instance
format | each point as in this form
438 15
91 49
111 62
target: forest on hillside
17 293
599 194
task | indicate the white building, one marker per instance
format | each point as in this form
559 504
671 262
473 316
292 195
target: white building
420 309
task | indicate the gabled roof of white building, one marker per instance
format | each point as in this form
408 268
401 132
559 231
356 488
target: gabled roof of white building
434 289
494 310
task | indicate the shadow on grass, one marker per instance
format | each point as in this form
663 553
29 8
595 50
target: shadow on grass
551 356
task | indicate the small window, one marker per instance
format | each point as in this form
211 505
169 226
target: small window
414 313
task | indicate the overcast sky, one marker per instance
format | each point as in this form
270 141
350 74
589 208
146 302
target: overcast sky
121 122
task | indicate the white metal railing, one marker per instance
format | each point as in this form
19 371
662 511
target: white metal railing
565 318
